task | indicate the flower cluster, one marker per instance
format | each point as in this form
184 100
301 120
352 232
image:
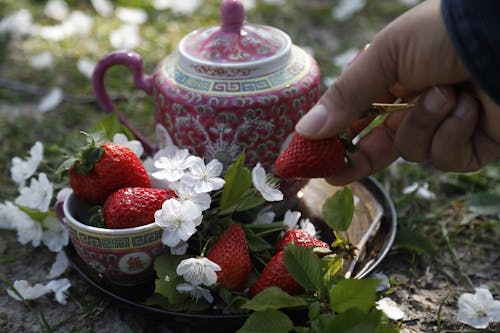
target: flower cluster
32 217
195 182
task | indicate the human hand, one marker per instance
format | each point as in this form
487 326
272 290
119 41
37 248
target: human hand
454 124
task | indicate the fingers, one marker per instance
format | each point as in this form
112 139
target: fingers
416 133
376 150
460 144
367 78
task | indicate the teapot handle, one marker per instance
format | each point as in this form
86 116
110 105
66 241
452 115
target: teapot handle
133 62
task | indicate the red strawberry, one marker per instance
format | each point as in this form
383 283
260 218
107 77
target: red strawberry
133 206
311 158
231 253
276 274
299 237
99 170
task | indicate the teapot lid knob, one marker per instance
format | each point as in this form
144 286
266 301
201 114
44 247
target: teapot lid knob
232 13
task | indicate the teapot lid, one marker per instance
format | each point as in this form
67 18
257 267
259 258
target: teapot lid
234 49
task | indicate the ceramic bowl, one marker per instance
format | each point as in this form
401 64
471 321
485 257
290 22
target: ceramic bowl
123 257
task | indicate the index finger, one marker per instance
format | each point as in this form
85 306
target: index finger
367 78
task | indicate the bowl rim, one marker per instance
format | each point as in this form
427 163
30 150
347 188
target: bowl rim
70 220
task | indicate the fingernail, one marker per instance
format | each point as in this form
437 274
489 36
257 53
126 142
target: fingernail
313 120
434 100
461 111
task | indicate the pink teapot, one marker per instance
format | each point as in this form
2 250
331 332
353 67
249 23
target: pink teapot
228 89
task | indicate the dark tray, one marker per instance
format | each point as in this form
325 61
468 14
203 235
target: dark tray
373 201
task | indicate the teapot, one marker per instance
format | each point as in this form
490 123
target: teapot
227 89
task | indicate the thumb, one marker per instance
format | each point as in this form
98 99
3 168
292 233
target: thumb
366 79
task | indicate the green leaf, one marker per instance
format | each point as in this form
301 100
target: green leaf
167 281
353 294
413 240
484 203
314 310
351 321
110 124
273 321
331 264
304 266
238 180
257 244
273 298
338 210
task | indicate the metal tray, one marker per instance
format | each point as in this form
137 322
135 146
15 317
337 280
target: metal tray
373 231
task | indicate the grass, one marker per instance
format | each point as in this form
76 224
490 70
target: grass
462 220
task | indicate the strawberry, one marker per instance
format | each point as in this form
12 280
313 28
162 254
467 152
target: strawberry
100 169
312 158
276 274
299 237
231 253
131 207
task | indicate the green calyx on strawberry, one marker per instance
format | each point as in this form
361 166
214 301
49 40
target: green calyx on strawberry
131 207
101 168
301 238
305 158
231 253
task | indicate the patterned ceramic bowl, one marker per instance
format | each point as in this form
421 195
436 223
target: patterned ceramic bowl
123 257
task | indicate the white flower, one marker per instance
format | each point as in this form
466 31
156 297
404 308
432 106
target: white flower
384 283
27 291
55 235
179 249
186 7
28 230
204 178
134 145
38 195
59 288
479 309
76 24
179 220
198 271
264 217
291 219
347 8
187 193
51 100
131 15
172 164
125 37
17 24
195 291
86 66
59 266
267 189
42 60
7 218
56 9
421 191
390 308
308 226
103 7
21 170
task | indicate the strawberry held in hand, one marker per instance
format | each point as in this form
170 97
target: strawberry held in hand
301 238
100 169
133 206
231 253
305 158
276 274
